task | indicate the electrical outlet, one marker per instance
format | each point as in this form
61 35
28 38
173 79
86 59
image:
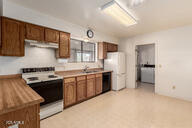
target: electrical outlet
173 87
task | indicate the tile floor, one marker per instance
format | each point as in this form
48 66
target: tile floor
129 108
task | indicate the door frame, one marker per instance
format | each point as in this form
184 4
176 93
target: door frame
156 63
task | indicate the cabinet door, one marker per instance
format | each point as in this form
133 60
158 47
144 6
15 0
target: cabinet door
34 32
81 90
102 50
115 48
109 47
12 37
69 93
29 117
51 35
112 47
99 83
90 87
64 45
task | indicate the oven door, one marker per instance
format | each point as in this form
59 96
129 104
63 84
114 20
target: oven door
51 91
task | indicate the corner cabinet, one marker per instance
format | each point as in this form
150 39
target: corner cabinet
69 91
64 45
12 40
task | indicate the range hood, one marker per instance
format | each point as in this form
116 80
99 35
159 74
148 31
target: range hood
42 44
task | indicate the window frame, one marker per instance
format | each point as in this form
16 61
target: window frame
82 51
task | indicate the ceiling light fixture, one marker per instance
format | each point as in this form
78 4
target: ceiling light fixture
119 13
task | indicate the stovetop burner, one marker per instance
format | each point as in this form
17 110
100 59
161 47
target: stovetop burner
33 78
52 76
37 75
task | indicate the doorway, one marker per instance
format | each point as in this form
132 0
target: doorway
145 66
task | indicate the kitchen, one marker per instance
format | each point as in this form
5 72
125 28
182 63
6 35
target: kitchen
74 64
37 59
57 89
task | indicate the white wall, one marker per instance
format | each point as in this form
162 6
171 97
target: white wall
44 57
38 57
173 60
146 54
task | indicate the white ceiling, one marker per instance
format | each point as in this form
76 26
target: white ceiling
153 15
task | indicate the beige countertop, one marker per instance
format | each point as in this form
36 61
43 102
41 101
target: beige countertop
67 74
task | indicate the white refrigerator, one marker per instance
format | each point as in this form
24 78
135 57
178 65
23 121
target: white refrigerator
116 62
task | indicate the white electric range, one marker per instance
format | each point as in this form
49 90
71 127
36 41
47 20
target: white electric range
49 86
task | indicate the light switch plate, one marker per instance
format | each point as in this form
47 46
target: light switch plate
14 126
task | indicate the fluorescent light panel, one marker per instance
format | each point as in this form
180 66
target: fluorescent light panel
116 11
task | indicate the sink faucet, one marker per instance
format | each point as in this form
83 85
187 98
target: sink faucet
85 69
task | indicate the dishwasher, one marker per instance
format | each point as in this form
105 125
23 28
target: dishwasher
106 82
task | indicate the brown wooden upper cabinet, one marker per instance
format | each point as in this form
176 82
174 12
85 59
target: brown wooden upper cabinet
35 32
64 45
104 47
102 50
13 34
69 91
12 40
112 47
51 35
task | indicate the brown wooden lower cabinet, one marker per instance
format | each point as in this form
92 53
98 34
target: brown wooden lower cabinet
90 86
81 88
69 91
99 83
28 117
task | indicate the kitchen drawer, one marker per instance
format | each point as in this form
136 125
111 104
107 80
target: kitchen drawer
69 80
80 78
99 75
90 76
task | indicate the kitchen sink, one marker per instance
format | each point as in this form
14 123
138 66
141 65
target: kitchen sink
89 71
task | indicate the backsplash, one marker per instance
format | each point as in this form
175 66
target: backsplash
39 57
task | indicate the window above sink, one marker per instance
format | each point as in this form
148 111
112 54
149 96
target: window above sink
82 51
